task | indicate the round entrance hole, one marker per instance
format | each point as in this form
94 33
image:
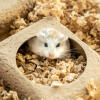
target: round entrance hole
49 72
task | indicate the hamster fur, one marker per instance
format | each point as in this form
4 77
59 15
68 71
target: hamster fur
50 44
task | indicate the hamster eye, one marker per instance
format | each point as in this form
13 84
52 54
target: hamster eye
45 44
58 45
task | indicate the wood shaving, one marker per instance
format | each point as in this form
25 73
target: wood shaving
55 84
91 88
46 71
90 92
7 95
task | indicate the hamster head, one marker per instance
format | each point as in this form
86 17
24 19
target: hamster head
50 44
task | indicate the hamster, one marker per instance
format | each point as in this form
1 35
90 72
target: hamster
50 44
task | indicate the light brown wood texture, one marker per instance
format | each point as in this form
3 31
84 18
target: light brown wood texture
18 82
9 10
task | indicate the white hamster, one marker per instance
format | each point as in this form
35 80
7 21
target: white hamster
51 44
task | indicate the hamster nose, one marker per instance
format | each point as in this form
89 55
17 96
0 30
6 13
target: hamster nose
51 56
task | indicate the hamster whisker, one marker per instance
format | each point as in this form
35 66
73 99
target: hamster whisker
72 50
75 48
64 55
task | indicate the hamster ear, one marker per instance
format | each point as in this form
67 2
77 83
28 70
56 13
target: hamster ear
64 38
43 33
41 37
